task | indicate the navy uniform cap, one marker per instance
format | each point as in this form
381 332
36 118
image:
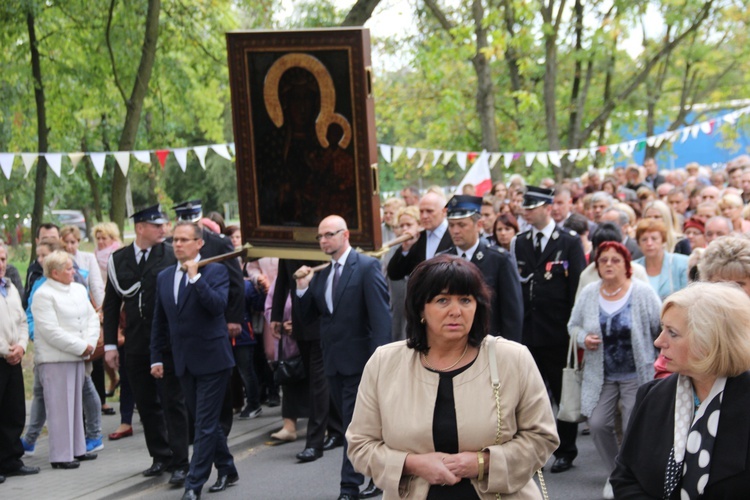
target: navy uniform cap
463 205
536 197
152 215
188 210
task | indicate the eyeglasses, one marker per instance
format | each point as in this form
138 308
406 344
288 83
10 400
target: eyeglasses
613 260
183 240
327 236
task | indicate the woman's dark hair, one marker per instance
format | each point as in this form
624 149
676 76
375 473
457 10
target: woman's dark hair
577 223
606 231
230 230
451 275
219 219
507 220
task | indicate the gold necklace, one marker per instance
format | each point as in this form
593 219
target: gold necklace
424 359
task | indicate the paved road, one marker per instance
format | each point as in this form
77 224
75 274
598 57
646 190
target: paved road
271 472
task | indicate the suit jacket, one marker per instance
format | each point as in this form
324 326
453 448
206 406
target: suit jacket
286 284
395 384
496 266
361 318
401 266
642 461
549 289
673 275
139 308
194 329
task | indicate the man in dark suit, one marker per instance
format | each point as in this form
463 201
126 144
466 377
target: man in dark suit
622 221
496 265
550 260
351 299
434 239
217 244
189 322
132 272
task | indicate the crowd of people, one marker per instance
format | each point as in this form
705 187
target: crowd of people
465 326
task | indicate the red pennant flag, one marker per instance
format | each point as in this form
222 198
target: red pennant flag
712 124
471 156
603 150
162 154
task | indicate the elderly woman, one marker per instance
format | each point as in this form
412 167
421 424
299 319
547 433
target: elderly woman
688 434
667 272
457 441
695 233
616 321
727 259
66 331
107 236
88 267
731 207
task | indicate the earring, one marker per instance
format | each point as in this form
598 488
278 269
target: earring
422 320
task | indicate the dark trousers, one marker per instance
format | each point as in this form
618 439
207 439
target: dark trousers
127 403
204 395
243 358
12 416
323 414
344 392
97 376
266 385
161 406
550 361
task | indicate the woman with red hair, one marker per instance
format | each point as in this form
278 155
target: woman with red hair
616 321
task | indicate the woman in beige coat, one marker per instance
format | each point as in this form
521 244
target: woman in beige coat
425 423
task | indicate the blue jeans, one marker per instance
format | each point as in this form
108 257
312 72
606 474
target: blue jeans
243 358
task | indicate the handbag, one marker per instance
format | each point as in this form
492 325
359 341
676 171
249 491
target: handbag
570 396
289 370
495 377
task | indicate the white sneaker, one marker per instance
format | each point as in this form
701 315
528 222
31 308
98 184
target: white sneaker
607 493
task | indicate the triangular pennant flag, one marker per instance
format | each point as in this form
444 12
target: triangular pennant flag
573 155
28 161
673 136
602 149
627 148
494 157
98 160
706 127
385 151
75 159
730 118
640 145
6 163
54 160
142 156
694 131
685 133
712 125
221 150
651 141
471 156
396 152
436 154
614 148
447 156
422 157
592 152
508 159
231 148
123 160
660 139
410 153
478 175
461 159
554 158
161 155
200 152
180 155
529 158
542 158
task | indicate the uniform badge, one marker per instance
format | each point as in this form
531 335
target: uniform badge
548 275
555 235
528 235
480 255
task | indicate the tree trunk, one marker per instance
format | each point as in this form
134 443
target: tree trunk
360 12
134 108
40 186
485 90
552 21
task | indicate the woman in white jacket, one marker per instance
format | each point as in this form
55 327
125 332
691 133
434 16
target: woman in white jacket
66 332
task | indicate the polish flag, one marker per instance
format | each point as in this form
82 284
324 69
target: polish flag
478 175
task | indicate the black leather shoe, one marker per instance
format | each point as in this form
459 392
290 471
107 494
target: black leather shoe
332 442
156 469
178 477
371 491
191 495
24 470
87 456
66 465
223 481
309 455
562 464
2 479
345 496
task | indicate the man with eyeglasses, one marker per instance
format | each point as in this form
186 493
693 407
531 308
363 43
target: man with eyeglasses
350 298
132 272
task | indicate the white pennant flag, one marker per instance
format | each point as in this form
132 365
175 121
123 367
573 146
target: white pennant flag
507 159
98 160
730 118
582 154
6 163
422 157
180 155
75 159
28 161
573 155
142 156
221 150
554 158
685 134
231 148
478 175
613 149
123 160
436 154
386 152
461 159
494 158
627 148
694 131
592 152
529 158
660 139
447 156
651 141
705 127
410 153
200 152
542 158
673 136
54 161
397 150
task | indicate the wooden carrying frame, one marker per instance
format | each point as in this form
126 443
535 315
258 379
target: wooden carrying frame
304 129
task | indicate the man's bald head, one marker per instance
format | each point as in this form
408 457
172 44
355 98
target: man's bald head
333 236
431 210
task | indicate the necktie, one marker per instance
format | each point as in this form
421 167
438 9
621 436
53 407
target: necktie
142 262
464 256
538 246
182 286
336 276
